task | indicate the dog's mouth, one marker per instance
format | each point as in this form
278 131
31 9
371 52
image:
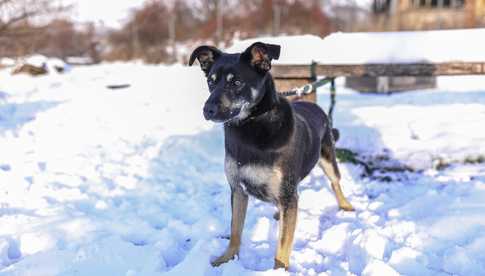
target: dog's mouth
227 117
233 116
216 120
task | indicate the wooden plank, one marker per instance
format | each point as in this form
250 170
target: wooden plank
416 69
291 71
375 70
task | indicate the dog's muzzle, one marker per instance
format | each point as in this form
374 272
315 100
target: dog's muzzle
210 111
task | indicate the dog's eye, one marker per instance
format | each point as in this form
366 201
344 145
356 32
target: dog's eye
238 83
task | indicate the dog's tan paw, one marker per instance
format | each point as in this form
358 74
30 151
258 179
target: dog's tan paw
226 257
346 206
280 264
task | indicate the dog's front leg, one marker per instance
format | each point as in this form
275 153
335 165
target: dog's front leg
239 204
287 222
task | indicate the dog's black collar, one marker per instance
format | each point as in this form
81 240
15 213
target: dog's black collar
254 114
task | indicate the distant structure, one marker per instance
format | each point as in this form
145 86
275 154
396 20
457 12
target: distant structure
403 15
417 15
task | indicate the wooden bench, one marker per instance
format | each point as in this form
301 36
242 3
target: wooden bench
289 76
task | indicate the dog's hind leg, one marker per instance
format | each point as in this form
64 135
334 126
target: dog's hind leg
328 163
239 204
287 223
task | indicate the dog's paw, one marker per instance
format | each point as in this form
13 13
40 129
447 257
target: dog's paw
276 215
229 255
346 206
280 264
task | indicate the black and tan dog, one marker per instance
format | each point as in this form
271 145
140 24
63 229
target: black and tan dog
271 144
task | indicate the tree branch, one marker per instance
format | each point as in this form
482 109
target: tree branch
13 20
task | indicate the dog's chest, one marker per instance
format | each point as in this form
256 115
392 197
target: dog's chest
260 181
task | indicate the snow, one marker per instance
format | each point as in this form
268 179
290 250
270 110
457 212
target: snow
302 49
377 268
40 61
6 62
37 60
465 45
95 181
404 47
79 60
421 128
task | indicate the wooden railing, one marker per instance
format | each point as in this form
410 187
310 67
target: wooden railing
300 71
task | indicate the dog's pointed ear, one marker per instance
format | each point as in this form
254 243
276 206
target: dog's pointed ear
206 55
259 55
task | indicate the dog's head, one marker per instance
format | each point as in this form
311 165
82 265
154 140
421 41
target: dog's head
236 81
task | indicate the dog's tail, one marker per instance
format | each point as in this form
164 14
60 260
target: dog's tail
335 134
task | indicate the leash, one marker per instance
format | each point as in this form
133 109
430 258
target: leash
307 88
311 88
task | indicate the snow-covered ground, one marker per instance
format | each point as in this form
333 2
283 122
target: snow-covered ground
96 181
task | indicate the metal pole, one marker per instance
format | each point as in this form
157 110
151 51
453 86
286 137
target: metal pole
332 101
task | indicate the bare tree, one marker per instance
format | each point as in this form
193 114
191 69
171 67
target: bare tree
13 12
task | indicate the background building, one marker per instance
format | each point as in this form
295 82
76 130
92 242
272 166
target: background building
393 15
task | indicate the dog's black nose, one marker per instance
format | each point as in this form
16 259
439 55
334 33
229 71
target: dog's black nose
210 110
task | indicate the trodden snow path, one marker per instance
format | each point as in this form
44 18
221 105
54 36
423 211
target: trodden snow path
130 182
